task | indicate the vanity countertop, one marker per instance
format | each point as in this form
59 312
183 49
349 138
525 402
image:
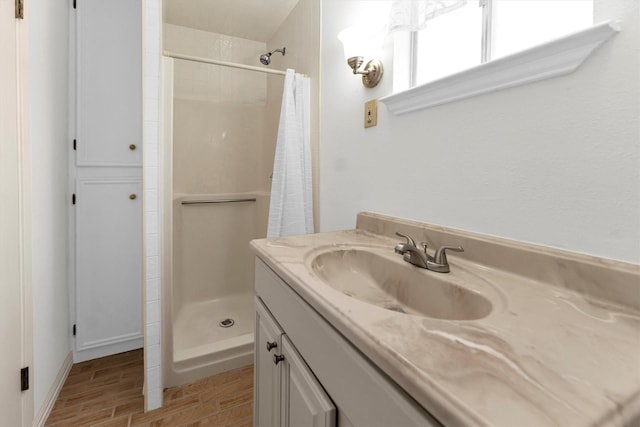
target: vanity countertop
553 352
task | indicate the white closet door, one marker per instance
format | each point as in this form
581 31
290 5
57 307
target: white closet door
108 266
109 82
108 224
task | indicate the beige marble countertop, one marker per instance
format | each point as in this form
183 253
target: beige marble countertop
546 355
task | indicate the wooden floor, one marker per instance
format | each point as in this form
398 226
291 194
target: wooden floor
107 392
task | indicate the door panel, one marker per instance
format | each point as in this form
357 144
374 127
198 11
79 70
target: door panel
16 407
108 224
108 263
109 85
304 401
267 374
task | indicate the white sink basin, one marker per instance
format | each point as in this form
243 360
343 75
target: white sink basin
396 285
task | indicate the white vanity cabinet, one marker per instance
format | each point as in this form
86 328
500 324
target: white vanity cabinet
320 369
268 340
286 392
303 401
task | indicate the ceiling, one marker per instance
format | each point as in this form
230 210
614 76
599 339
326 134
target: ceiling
249 19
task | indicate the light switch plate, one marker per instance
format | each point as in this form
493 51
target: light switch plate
371 113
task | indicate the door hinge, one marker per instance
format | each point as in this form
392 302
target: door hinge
74 145
24 379
19 9
74 329
73 199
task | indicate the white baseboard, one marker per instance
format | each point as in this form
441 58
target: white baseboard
108 350
54 391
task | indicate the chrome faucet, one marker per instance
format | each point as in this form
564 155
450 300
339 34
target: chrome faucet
420 258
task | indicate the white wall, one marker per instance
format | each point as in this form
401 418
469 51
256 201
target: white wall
555 162
49 58
151 159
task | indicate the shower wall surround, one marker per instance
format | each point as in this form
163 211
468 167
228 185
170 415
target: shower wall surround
219 114
217 156
300 32
217 140
204 82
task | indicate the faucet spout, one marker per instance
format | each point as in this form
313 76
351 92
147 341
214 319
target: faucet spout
420 258
411 253
415 256
400 247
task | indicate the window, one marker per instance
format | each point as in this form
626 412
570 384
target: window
483 30
521 41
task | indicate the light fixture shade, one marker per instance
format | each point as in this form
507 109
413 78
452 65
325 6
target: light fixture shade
361 41
353 42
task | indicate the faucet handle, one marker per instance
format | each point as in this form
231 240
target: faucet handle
410 241
426 254
441 255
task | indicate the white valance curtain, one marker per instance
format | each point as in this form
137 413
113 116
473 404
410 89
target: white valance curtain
412 15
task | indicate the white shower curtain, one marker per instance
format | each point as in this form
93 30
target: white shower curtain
291 208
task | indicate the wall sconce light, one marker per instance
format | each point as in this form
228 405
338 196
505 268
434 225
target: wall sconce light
360 44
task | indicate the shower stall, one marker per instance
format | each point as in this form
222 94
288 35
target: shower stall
219 139
220 126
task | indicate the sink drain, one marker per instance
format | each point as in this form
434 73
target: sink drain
227 323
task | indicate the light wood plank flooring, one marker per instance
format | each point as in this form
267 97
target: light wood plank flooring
107 392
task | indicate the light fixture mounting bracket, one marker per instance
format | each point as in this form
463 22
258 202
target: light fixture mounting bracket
372 72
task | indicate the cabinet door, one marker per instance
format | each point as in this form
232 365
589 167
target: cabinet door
109 82
304 401
268 342
108 266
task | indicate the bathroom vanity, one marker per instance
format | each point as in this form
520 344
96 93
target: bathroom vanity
349 334
290 336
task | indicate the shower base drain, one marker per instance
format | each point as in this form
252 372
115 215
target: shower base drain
227 323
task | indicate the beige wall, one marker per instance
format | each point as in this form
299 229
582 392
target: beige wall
226 120
216 147
218 114
212 83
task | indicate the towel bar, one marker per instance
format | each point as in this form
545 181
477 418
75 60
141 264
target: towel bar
211 202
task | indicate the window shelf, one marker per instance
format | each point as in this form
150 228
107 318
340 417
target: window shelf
551 59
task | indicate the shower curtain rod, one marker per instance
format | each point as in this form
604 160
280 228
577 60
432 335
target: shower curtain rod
223 63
